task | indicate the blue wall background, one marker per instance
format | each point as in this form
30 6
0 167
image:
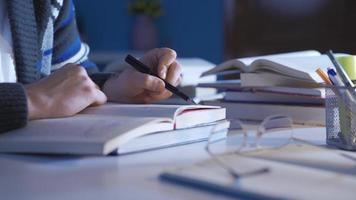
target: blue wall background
194 28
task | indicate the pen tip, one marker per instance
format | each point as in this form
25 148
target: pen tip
192 101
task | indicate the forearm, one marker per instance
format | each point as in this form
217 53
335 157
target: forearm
13 106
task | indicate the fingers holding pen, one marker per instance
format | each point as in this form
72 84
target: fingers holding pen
166 57
174 74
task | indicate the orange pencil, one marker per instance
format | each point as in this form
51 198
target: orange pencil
323 76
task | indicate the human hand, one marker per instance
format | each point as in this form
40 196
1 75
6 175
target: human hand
64 93
132 86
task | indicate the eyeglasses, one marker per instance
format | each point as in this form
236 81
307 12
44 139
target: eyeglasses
274 131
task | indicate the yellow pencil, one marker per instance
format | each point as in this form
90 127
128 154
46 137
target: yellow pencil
323 76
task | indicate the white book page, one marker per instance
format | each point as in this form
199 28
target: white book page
151 110
195 116
248 61
298 67
228 65
134 110
243 63
80 134
192 68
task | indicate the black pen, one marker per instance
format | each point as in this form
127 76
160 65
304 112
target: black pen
139 66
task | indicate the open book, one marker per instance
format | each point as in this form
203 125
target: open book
290 69
102 130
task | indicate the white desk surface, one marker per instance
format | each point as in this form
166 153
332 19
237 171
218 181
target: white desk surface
125 177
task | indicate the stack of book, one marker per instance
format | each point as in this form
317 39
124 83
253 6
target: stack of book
284 84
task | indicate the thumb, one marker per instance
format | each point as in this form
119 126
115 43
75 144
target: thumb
100 98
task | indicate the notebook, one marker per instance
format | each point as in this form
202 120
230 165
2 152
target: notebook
102 130
294 69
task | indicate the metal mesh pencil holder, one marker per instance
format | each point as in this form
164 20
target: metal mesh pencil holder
340 105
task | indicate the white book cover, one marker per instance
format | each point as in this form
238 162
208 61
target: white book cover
101 130
300 114
235 85
272 97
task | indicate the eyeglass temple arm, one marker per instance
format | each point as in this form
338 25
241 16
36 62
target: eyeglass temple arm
232 172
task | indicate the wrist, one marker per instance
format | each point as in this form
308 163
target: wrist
31 107
35 106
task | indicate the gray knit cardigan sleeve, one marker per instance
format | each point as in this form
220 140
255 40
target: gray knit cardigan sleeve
13 106
29 21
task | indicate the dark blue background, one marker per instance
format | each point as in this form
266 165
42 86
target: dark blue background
194 28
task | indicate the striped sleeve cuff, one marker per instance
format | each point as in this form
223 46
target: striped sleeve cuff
79 56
